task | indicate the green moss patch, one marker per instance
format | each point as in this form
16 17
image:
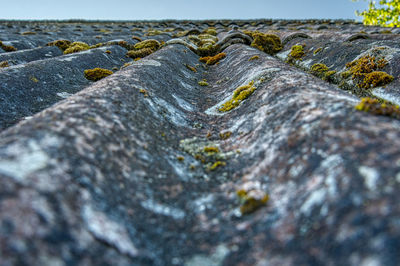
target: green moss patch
365 72
374 106
97 73
239 95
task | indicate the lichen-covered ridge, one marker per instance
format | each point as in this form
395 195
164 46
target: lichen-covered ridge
211 149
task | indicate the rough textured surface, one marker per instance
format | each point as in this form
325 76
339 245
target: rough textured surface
140 168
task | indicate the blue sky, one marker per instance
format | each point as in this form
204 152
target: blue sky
179 9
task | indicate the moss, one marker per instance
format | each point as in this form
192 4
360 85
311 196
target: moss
216 165
153 32
180 158
96 45
345 74
317 50
250 204
374 106
139 53
297 52
322 71
76 47
365 72
254 58
211 149
151 43
7 48
4 64
108 52
62 44
268 43
225 135
203 83
97 73
210 31
191 68
212 60
377 78
239 95
319 68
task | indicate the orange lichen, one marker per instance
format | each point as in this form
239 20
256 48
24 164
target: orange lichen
212 60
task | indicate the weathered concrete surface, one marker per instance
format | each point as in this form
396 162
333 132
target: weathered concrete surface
29 55
97 179
26 89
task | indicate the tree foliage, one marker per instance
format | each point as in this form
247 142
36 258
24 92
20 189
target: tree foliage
385 13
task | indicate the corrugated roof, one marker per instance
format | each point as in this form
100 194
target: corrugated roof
262 155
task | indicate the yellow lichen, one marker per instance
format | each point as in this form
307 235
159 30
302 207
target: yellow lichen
212 60
376 107
239 95
108 52
250 204
180 158
97 73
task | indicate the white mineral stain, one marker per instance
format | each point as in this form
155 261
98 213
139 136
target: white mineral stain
370 176
27 160
315 198
214 259
163 209
148 62
109 231
63 94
